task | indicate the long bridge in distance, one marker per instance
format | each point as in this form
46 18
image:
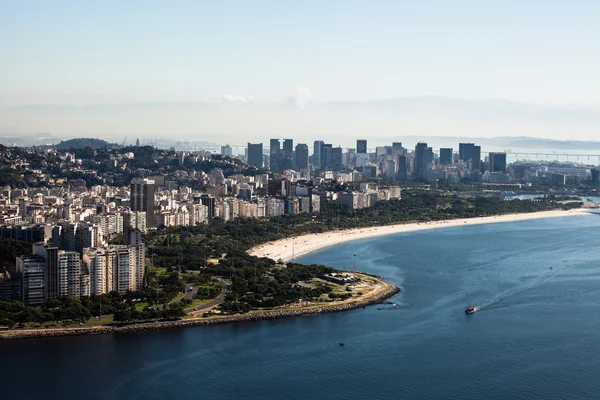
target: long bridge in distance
554 155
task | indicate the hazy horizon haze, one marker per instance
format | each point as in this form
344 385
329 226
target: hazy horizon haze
196 69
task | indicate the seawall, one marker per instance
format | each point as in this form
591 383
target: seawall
385 293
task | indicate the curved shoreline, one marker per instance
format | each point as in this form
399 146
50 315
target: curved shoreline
290 248
287 249
387 291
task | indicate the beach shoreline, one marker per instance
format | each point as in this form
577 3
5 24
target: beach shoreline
290 248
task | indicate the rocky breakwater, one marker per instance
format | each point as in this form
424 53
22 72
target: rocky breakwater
387 291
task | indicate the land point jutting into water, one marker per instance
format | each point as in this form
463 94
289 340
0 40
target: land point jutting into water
125 238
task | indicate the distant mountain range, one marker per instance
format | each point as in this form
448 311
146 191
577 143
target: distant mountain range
498 124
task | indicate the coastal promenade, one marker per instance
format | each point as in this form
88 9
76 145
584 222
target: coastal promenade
288 249
380 292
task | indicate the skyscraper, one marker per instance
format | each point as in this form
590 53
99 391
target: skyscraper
420 163
402 168
397 149
325 156
317 149
498 162
288 147
275 154
446 156
255 155
209 202
142 198
470 153
301 156
465 151
428 155
336 159
476 159
361 146
50 254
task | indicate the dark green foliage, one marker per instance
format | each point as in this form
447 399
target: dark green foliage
10 249
82 143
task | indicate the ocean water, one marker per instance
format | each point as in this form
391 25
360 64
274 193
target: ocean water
535 337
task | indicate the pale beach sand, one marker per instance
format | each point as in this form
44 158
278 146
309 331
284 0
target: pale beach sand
286 249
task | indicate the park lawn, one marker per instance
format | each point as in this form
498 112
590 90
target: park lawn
106 319
141 306
179 296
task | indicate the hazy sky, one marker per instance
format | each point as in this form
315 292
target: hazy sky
115 52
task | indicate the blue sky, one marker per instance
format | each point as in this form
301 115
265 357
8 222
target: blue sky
116 52
121 51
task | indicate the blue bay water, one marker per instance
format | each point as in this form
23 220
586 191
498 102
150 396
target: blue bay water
536 336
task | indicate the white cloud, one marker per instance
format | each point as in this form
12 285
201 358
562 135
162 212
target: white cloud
236 98
299 96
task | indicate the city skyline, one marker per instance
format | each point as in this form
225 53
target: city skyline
196 69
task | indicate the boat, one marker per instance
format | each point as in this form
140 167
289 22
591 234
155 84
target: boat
470 309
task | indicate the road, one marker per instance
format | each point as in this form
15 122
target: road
199 309
190 294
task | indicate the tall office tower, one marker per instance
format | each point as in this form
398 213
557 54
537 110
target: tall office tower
465 151
302 156
497 162
142 198
325 156
208 201
397 149
317 149
50 255
288 147
429 158
361 146
402 173
445 156
336 159
255 155
389 170
274 155
33 279
470 153
420 162
476 159
226 151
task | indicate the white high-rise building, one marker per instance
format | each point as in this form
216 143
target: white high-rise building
69 274
116 268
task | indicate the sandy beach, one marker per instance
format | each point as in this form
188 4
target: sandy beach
288 249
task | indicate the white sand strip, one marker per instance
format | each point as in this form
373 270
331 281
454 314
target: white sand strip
286 249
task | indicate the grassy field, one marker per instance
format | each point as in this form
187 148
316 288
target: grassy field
106 319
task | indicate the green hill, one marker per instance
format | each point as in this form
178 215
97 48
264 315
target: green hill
82 143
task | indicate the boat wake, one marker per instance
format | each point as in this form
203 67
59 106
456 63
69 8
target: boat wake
496 301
